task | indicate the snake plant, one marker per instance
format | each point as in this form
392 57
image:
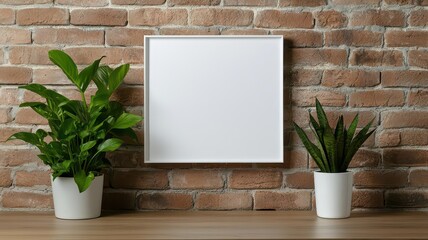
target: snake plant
80 133
334 148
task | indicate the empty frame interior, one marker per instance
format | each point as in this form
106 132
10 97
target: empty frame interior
213 99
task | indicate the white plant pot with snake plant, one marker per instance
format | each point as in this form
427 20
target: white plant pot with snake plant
332 151
81 132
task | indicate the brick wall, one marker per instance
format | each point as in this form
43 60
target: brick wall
367 56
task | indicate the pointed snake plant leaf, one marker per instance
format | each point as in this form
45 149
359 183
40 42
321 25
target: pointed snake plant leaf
312 148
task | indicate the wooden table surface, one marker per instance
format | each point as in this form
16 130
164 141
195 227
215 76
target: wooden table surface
215 225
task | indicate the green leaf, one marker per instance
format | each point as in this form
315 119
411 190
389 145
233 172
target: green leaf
86 146
99 99
110 145
67 65
330 148
123 133
340 142
322 117
351 131
30 138
82 180
45 93
312 148
87 74
41 134
116 77
67 129
101 78
126 120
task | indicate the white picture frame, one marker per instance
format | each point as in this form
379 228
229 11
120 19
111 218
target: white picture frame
213 99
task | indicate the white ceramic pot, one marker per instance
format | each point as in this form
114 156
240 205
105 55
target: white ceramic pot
333 193
70 204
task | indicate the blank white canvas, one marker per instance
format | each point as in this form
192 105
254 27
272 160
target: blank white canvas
213 99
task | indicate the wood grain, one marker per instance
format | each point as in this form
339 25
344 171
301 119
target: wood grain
215 225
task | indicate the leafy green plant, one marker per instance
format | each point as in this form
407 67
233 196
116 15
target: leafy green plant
335 148
80 133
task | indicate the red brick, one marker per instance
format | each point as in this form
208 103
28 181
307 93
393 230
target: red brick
268 200
196 179
385 18
331 19
418 58
418 178
24 2
407 78
298 38
389 138
166 200
33 178
15 36
71 36
42 16
249 179
251 3
7 16
377 98
15 75
355 38
119 200
9 131
365 158
99 17
318 57
350 78
12 199
364 117
375 58
418 98
302 3
137 179
223 17
29 55
367 199
5 177
406 199
356 2
399 2
18 157
305 77
157 17
405 119
405 157
406 38
83 3
114 55
138 2
126 37
281 19
52 76
410 137
5 114
124 159
295 158
303 97
300 180
419 18
224 201
135 76
28 116
380 179
188 31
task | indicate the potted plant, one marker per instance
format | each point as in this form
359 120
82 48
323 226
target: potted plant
80 135
333 151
